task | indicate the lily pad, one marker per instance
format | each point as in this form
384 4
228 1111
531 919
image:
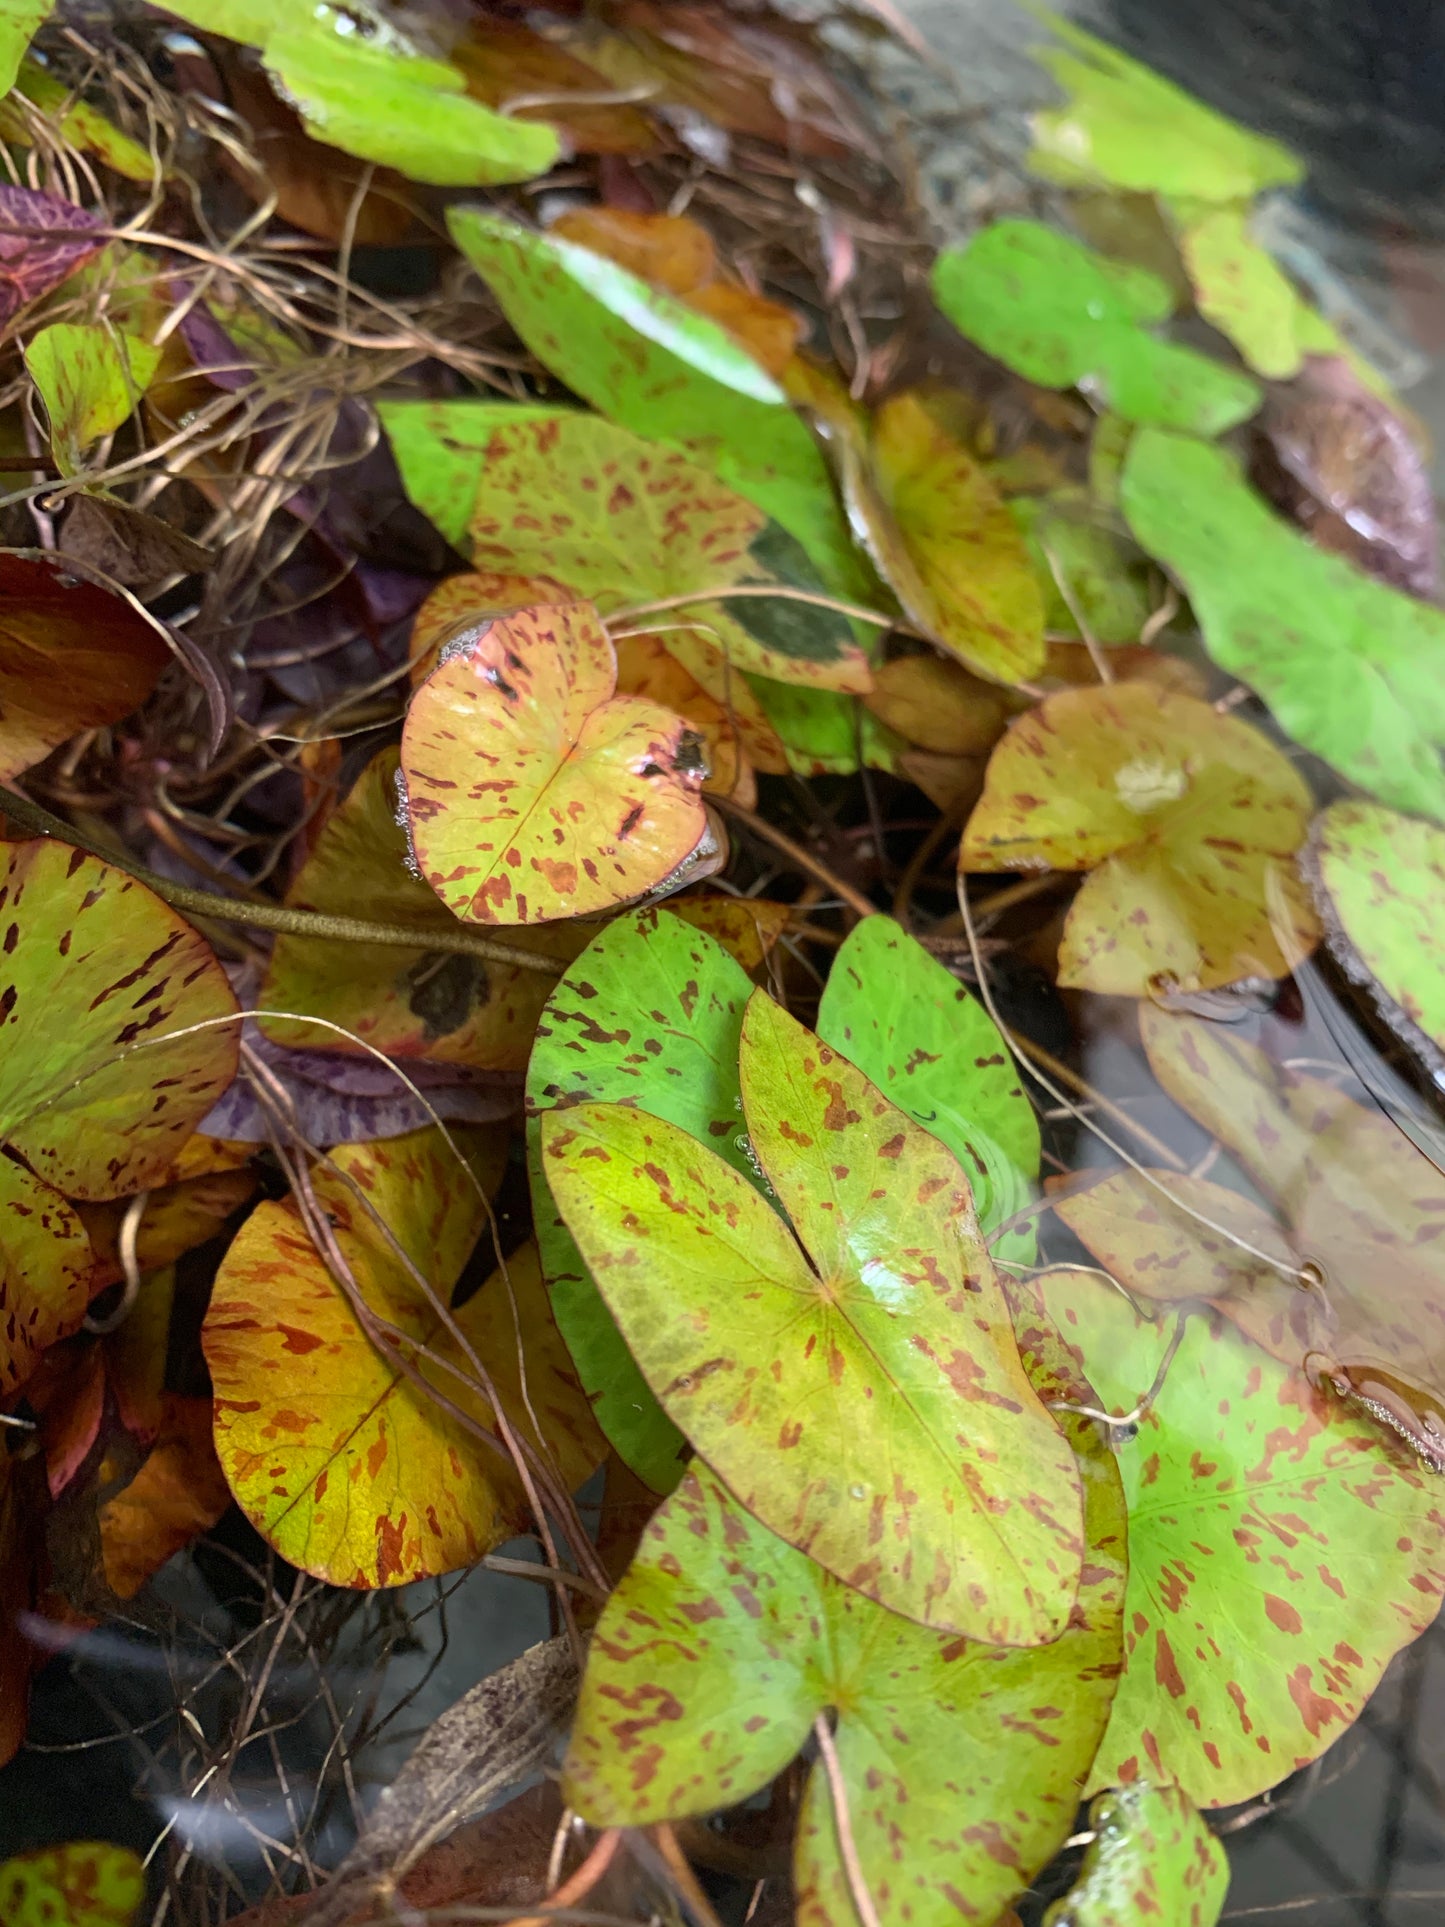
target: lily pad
409 1003
650 1015
1125 126
90 379
1184 818
654 365
1351 669
1152 1857
86 1883
350 1469
1258 1505
844 1396
934 1051
551 492
72 657
533 790
1380 886
1065 317
47 1272
97 973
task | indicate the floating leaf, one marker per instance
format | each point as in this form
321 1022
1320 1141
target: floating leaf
943 539
962 1763
31 261
1065 317
1151 1857
553 493
179 1492
1258 1506
83 1884
1183 816
72 657
409 1003
351 1470
650 1014
90 377
1349 668
47 1270
934 1051
533 791
96 974
1380 886
1126 126
848 1402
177 1218
657 367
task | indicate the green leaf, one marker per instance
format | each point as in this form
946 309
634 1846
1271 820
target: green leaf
249 21
1065 317
934 1051
1151 1858
650 1014
90 378
661 369
1104 573
1260 1508
83 1884
961 1763
1126 126
1350 668
96 973
842 1395
1380 884
20 21
83 126
47 1272
624 522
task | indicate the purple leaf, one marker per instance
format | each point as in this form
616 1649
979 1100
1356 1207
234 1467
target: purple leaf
42 239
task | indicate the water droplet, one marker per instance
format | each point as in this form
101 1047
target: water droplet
857 1491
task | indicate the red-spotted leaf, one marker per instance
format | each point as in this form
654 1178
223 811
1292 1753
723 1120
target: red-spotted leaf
90 378
1280 1552
47 1271
962 1763
534 791
347 1466
179 1492
42 240
1151 1858
96 974
865 1400
1188 821
83 1884
72 657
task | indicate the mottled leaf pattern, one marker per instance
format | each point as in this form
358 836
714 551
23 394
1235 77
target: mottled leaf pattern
178 1493
533 791
30 263
865 1401
84 1884
1151 1858
47 1271
90 378
1188 821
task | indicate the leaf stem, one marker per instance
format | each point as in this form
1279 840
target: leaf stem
279 917
815 867
847 1846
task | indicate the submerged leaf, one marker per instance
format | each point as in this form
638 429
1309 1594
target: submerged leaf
33 260
96 974
1065 317
1258 1505
1187 820
1151 1857
83 1884
1349 668
90 377
555 494
845 1396
961 1763
651 1015
533 790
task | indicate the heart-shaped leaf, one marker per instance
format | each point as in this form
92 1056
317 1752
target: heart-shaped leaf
1186 820
1065 317
935 1052
72 657
650 1015
409 1003
84 1884
1380 885
1258 1506
623 522
96 974
655 366
47 1272
961 1763
34 260
1351 669
533 791
1126 126
866 1400
1151 1858
347 1466
90 378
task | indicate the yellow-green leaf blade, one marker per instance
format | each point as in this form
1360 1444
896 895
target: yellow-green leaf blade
85 1883
90 377
1152 1857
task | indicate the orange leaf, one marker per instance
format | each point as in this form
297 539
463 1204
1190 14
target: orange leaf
179 1493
